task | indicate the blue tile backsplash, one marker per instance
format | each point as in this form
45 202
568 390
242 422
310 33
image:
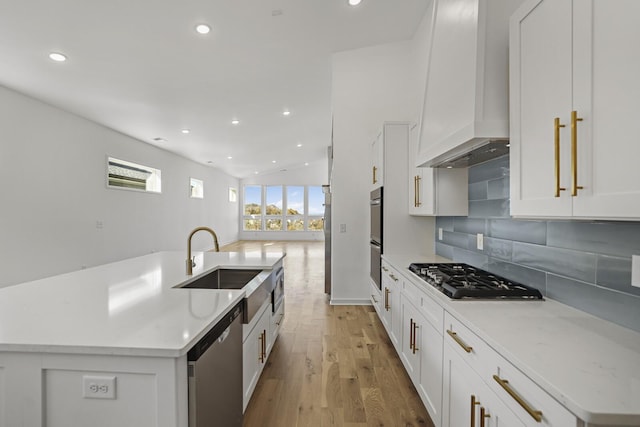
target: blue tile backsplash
584 264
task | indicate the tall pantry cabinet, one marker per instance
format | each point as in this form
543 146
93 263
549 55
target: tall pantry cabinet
574 90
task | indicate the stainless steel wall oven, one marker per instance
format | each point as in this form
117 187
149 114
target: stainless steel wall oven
375 242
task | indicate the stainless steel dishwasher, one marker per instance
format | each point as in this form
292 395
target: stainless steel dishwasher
215 375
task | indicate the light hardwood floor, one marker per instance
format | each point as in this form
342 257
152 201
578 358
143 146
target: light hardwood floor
331 365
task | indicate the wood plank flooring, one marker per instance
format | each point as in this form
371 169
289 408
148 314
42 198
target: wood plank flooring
331 365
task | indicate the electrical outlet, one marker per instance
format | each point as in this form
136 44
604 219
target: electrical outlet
98 387
343 228
440 233
480 242
99 224
635 271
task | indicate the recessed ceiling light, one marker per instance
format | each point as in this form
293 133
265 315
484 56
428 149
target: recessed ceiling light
354 2
286 112
186 131
299 145
57 56
449 167
256 172
508 145
273 161
203 29
229 157
235 121
306 163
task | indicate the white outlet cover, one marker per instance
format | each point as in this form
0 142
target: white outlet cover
480 241
98 387
439 233
635 271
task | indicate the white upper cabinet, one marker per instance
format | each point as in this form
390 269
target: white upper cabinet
434 191
466 94
377 162
574 91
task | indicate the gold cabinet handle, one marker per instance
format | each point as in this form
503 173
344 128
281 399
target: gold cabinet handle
536 415
395 279
411 330
386 299
264 345
374 175
260 355
415 337
416 191
483 416
474 402
373 297
574 153
280 320
556 127
385 268
461 343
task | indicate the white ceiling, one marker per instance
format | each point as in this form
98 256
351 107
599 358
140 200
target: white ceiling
139 67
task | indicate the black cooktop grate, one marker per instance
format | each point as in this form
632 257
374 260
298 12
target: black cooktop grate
457 280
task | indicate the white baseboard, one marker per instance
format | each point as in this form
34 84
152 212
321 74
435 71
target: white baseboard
354 301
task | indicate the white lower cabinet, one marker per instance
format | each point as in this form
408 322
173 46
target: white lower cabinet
390 308
276 323
421 354
467 400
513 395
255 348
376 297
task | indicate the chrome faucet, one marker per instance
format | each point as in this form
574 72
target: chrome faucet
190 262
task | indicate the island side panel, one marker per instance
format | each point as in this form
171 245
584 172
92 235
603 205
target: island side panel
51 390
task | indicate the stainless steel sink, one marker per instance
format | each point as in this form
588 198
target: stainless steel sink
224 279
236 279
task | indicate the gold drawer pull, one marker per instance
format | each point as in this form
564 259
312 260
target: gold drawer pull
536 415
385 268
374 174
395 279
415 337
418 202
386 298
461 343
373 297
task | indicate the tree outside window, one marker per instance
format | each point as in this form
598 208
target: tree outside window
252 218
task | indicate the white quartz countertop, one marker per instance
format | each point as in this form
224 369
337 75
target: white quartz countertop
591 366
131 307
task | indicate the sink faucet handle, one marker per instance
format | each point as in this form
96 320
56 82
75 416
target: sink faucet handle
193 261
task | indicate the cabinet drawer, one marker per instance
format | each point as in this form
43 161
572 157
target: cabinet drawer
473 350
528 401
431 310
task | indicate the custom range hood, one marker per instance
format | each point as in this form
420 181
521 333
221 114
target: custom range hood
471 154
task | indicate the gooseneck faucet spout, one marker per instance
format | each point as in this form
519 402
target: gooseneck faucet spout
190 262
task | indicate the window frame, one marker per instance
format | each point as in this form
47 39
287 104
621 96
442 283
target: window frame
284 217
157 173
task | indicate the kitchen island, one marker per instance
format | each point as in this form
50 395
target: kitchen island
130 320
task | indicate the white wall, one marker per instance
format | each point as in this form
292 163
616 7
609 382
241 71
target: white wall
314 174
53 191
370 86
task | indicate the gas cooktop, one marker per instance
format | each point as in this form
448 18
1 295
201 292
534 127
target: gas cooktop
464 281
